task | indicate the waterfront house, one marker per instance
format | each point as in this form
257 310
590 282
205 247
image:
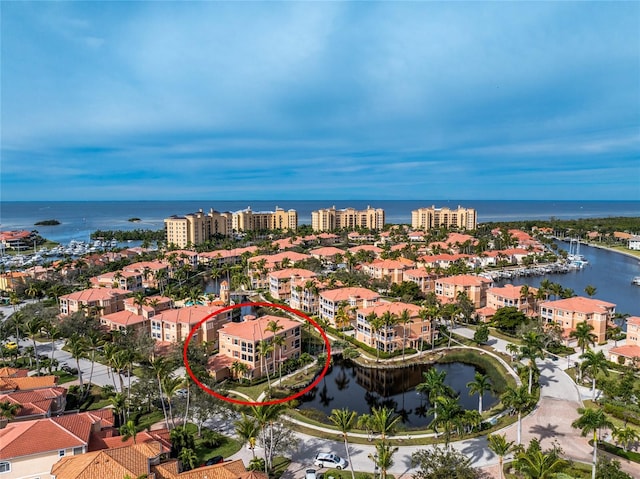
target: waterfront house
280 281
349 299
240 342
571 311
475 287
392 337
174 325
511 296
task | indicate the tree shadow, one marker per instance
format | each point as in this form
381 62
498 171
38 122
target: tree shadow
546 381
475 449
545 432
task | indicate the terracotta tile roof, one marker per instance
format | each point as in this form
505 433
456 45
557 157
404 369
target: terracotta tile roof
366 247
633 320
94 294
30 382
628 351
394 308
289 272
224 470
112 440
460 238
486 311
34 402
141 265
509 291
417 273
277 258
24 438
401 263
343 294
326 251
579 304
465 280
255 329
187 315
124 318
7 372
110 463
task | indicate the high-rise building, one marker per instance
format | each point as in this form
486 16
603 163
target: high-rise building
196 228
427 218
330 219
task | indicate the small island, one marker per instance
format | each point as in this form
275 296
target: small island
47 223
134 220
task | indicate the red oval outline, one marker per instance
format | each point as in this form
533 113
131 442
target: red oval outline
257 403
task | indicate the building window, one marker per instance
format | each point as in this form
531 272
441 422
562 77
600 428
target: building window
5 467
78 450
61 453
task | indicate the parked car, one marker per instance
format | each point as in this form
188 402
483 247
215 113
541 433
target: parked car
214 460
310 474
181 393
11 345
329 460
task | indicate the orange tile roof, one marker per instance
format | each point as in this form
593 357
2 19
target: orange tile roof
465 280
343 294
509 291
94 294
633 320
326 251
394 308
628 351
30 382
124 318
224 470
7 372
277 258
132 461
255 330
187 315
289 272
400 263
417 273
37 401
579 304
366 247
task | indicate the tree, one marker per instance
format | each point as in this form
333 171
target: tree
9 410
590 290
188 458
532 349
263 350
404 319
447 413
594 363
384 420
610 469
592 420
32 329
479 386
441 463
344 420
519 400
383 459
535 463
77 346
265 417
625 436
482 334
247 428
584 336
499 445
508 319
128 430
433 385
376 324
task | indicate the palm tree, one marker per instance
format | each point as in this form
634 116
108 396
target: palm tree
93 342
32 329
499 445
404 319
592 420
54 333
383 459
514 350
273 327
77 346
170 385
247 428
433 385
532 350
625 436
375 323
518 399
342 318
448 414
537 464
265 416
161 368
344 420
590 290
9 410
263 350
128 430
189 459
384 420
479 386
584 336
593 364
278 342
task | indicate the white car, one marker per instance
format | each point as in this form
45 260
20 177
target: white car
329 460
310 474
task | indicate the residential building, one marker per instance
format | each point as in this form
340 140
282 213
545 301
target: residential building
37 403
125 280
388 269
350 299
391 338
174 325
630 351
425 280
222 257
571 311
328 254
13 280
17 240
154 274
249 220
29 449
448 288
103 300
331 219
428 218
260 266
280 281
511 296
305 294
196 228
239 342
634 243
20 382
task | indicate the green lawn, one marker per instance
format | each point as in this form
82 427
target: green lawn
346 474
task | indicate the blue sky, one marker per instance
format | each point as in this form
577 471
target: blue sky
336 100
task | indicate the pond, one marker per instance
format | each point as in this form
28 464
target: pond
348 385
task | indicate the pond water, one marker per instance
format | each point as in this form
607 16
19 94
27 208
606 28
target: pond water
359 389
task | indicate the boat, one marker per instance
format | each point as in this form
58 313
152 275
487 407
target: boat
636 280
576 260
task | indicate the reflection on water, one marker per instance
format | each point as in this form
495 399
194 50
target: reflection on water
359 389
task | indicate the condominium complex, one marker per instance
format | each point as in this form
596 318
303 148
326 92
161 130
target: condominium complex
330 219
196 228
427 218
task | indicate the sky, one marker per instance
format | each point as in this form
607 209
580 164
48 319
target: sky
319 100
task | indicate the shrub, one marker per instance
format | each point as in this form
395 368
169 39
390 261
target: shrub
256 464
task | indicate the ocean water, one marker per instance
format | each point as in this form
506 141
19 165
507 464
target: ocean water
79 219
